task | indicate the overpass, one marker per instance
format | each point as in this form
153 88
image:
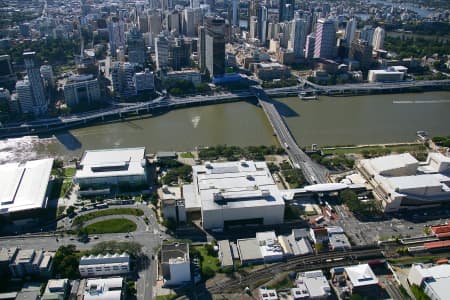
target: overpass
313 172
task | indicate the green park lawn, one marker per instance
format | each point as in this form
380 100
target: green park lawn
111 226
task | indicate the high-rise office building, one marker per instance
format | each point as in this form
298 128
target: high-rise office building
7 75
122 79
201 48
215 46
263 21
235 13
40 102
325 39
310 45
298 37
116 35
286 10
367 34
253 27
361 51
350 30
162 52
378 38
143 23
47 75
136 47
144 81
194 3
25 95
179 54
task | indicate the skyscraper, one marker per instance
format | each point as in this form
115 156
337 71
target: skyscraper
367 34
215 46
136 47
286 10
310 45
40 103
25 96
235 12
361 51
263 21
116 35
201 48
298 37
325 39
161 51
350 30
253 27
378 38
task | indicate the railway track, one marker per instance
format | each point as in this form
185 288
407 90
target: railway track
296 264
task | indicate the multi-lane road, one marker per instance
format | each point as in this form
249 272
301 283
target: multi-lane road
312 171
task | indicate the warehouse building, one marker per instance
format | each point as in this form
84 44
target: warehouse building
401 182
102 265
235 193
24 186
103 168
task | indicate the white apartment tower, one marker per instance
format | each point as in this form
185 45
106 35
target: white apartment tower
378 38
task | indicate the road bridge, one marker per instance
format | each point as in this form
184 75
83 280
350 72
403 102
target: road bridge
313 172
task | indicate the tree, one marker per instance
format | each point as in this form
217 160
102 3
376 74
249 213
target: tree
65 262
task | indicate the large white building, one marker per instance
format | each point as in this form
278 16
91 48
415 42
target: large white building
102 265
24 186
104 168
232 193
435 280
401 182
378 38
103 289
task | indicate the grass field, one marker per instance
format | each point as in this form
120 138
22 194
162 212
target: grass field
108 212
207 260
187 155
357 150
111 226
69 172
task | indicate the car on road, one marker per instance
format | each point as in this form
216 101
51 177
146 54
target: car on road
95 237
127 236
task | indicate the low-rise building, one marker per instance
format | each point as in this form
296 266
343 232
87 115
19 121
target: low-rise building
31 262
173 206
249 251
81 90
268 294
56 289
435 280
297 243
191 75
144 81
360 278
175 264
311 285
269 246
103 289
6 256
225 253
337 238
104 265
271 71
103 168
385 76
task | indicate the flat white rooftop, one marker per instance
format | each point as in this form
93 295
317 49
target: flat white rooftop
313 284
235 185
389 162
103 289
112 162
361 275
24 186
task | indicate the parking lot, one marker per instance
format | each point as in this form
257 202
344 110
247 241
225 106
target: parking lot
408 224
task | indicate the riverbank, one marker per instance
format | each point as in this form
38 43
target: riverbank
371 119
